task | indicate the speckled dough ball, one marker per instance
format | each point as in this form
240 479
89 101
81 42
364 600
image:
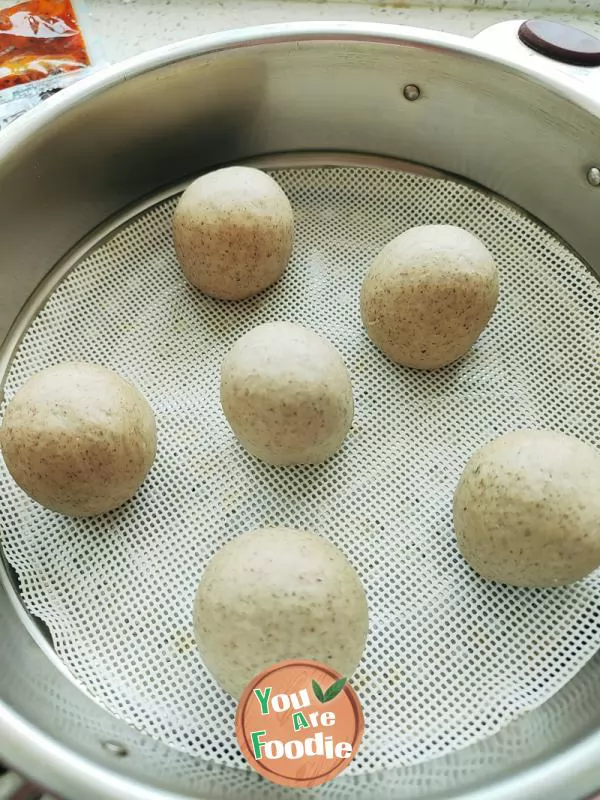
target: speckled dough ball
275 594
233 231
78 438
428 295
527 509
287 394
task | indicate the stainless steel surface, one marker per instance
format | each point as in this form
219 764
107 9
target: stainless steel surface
494 116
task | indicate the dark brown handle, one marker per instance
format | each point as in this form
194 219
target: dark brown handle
562 43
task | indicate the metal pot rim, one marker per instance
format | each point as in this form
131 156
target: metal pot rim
28 747
565 82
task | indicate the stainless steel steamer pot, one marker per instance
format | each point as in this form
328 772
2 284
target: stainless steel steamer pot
487 110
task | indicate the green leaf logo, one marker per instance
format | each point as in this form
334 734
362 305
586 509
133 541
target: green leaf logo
318 692
331 693
334 689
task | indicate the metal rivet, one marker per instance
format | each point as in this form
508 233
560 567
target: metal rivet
593 176
115 749
411 92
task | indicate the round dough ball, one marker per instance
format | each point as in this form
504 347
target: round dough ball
276 594
428 295
287 394
527 509
78 438
233 231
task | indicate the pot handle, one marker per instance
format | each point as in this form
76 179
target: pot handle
547 47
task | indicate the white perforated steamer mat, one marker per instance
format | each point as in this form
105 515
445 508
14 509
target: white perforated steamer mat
450 658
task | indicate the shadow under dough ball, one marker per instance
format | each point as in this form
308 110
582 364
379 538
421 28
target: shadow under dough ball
275 594
233 231
287 395
428 295
78 438
527 509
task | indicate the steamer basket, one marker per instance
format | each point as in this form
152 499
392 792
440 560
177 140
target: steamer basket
470 690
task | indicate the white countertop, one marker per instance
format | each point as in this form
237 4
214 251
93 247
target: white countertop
128 27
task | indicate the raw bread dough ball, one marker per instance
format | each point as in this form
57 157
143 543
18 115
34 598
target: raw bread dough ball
275 594
527 509
428 295
287 394
78 438
233 231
